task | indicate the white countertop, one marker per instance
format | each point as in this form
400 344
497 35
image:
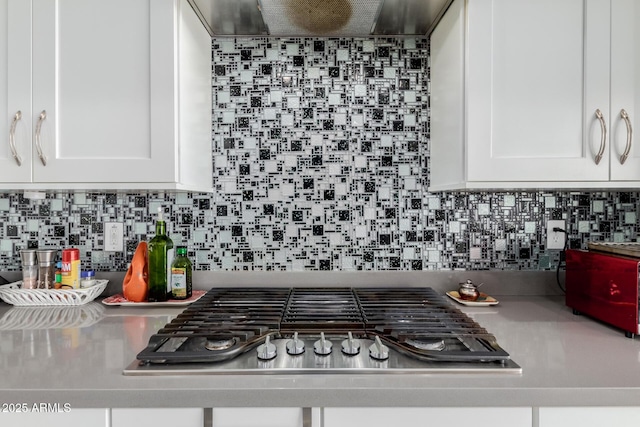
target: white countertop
566 360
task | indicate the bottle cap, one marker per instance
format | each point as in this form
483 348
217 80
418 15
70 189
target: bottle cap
89 274
47 257
28 257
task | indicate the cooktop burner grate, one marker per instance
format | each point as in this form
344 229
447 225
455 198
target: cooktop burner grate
319 309
415 321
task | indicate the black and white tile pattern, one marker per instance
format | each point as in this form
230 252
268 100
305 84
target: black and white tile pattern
321 162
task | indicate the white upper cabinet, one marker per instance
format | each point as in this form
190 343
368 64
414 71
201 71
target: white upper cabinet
625 89
523 94
118 95
15 90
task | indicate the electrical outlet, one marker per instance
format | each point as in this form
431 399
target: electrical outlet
555 239
113 236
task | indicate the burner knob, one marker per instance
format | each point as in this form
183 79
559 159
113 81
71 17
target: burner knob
350 346
322 346
378 351
295 346
267 351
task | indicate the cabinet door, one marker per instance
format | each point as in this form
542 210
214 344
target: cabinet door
15 90
157 417
72 418
424 417
257 417
537 72
589 417
103 78
625 89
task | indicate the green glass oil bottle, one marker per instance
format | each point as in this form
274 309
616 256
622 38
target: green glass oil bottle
160 260
181 275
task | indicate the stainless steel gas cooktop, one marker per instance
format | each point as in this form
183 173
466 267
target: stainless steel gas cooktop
321 330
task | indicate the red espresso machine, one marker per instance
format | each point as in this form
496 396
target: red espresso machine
602 282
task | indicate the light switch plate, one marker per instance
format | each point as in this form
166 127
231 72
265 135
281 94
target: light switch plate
113 236
555 239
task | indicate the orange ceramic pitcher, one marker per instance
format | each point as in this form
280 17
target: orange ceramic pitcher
135 285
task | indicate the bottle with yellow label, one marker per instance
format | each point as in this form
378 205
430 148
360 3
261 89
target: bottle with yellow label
181 273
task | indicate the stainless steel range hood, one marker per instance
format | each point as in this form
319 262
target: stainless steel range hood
319 18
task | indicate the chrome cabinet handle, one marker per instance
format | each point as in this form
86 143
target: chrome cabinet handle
12 138
41 118
625 117
603 141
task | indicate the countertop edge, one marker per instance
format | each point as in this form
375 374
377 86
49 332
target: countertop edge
453 397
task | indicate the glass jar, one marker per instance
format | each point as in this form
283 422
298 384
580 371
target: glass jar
87 279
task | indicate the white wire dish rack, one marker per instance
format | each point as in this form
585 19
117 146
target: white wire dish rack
14 294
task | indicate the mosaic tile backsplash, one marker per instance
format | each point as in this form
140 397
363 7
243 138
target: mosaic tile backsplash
321 162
